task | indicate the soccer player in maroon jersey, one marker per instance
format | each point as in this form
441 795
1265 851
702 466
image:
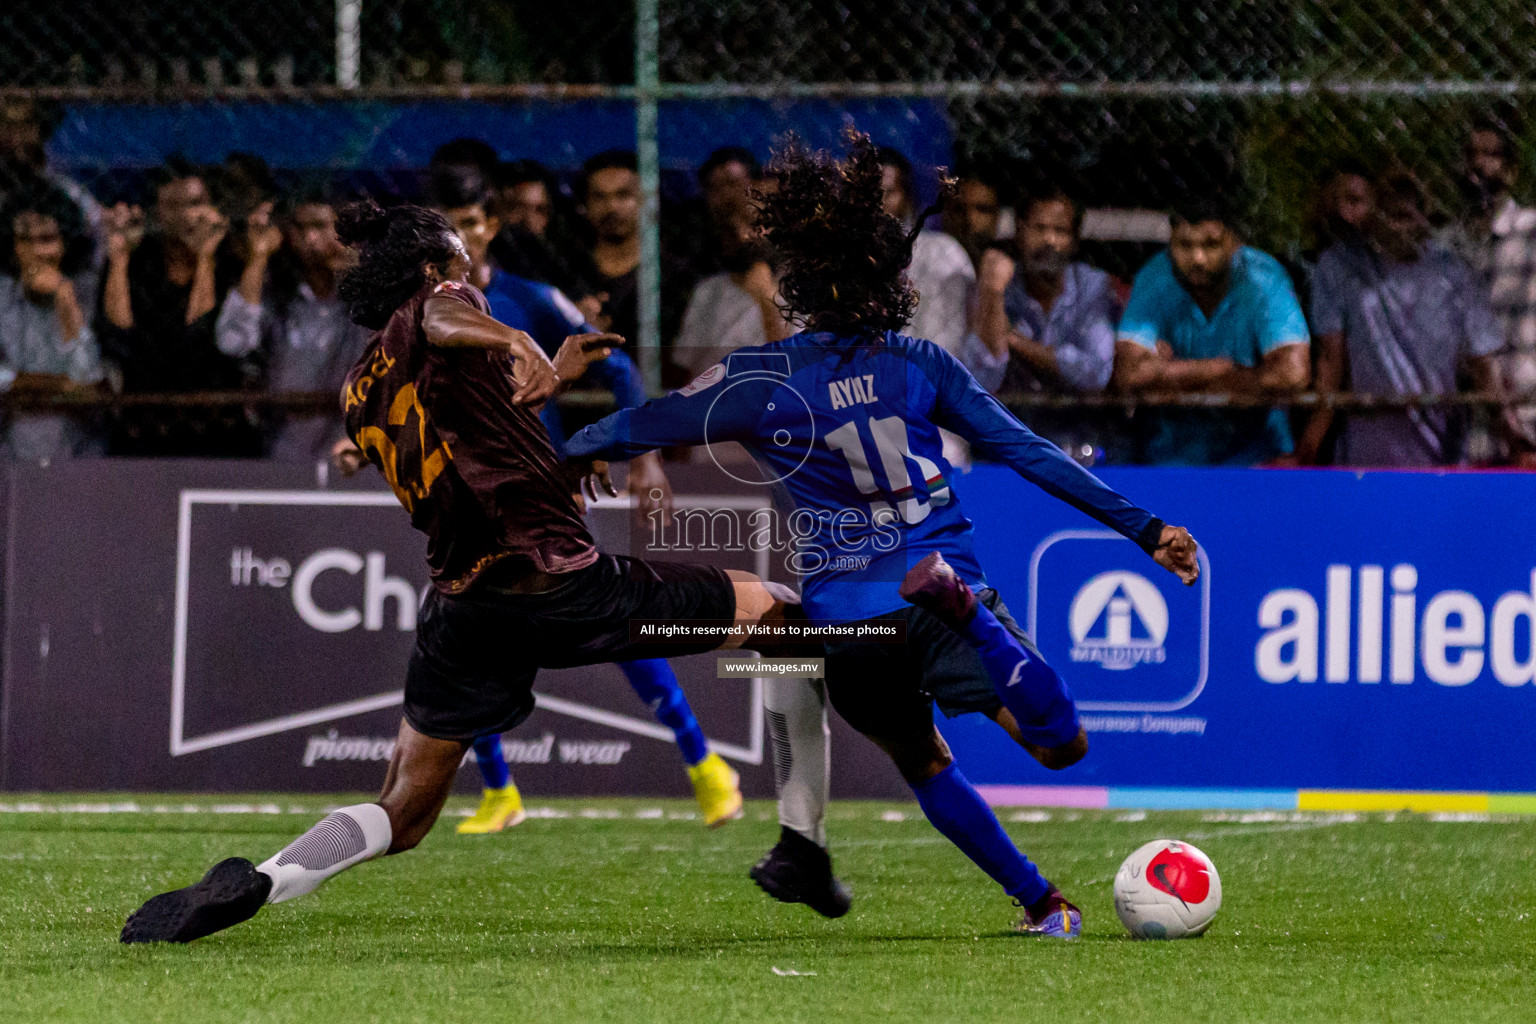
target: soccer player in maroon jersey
445 402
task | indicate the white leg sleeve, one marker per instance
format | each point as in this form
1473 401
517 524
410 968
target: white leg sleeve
802 753
343 838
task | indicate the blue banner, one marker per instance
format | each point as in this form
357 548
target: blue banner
1349 631
383 137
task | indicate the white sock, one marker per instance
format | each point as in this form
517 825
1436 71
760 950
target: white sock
347 836
802 753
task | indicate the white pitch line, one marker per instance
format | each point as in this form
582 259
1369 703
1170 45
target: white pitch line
1268 817
128 807
1240 824
1254 830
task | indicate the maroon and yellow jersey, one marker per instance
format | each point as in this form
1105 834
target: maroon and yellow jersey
477 473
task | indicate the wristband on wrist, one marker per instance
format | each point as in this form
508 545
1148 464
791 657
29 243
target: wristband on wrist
1150 537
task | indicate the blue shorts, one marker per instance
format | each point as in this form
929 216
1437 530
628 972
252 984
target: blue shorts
890 689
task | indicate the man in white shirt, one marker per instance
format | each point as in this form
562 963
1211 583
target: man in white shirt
943 275
736 307
940 269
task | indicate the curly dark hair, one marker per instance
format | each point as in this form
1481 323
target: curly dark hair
843 258
42 197
392 248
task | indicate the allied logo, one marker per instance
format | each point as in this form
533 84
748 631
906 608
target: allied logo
1119 620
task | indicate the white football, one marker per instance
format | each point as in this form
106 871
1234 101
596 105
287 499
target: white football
1167 890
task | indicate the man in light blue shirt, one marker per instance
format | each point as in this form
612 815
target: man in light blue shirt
1212 315
1047 325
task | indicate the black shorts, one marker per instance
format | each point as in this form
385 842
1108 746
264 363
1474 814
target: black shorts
889 689
477 654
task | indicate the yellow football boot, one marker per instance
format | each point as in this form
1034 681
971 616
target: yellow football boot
717 788
499 809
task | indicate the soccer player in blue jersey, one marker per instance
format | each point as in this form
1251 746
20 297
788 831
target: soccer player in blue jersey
549 317
846 417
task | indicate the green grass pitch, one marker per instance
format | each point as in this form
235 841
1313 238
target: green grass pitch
627 911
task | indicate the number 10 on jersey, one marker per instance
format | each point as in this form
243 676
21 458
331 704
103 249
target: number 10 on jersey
890 439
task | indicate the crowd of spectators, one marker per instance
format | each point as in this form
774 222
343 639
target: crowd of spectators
221 279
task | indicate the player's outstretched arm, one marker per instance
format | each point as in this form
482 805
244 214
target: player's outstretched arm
690 416
611 368
966 408
618 374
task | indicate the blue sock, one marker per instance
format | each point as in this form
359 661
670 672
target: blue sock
493 765
654 683
1029 687
958 811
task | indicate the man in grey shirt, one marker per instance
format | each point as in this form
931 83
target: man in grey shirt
1404 316
286 305
1047 325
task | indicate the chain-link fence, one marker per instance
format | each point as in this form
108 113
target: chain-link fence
1130 103
156 47
1136 104
1125 105
1174 43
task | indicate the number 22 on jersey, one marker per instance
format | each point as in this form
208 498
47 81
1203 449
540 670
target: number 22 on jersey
409 482
890 437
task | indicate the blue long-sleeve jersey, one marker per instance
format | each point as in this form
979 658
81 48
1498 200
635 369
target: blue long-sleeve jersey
549 317
850 427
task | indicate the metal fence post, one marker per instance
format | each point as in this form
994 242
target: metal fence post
648 292
349 43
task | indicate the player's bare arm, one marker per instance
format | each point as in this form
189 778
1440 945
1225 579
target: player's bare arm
580 351
452 324
590 481
647 483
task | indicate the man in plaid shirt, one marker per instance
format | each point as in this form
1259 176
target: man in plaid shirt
1497 238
